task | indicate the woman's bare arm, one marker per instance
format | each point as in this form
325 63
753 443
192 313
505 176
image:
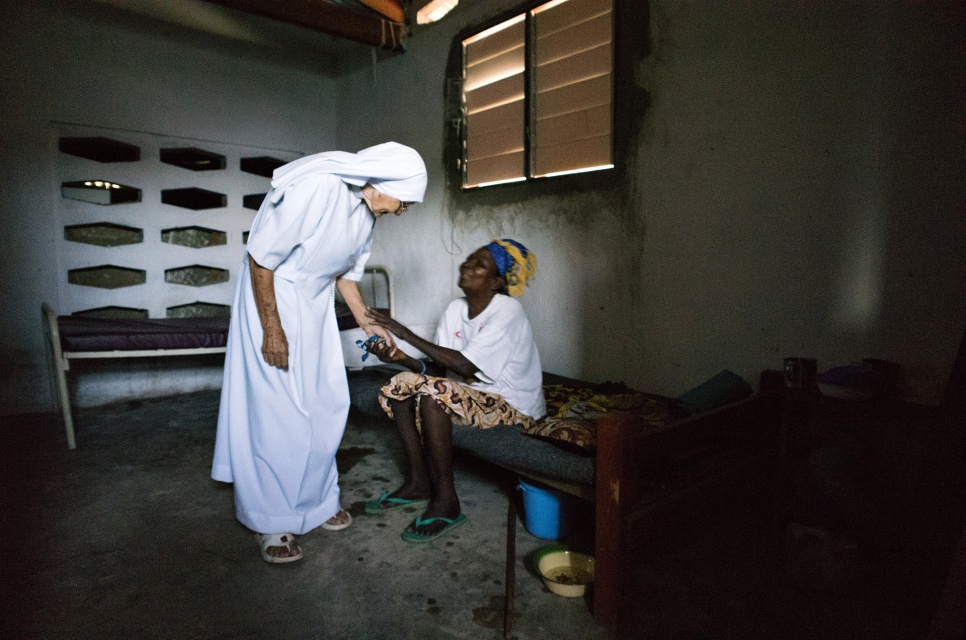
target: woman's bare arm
449 359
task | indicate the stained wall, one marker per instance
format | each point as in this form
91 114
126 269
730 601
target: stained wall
790 183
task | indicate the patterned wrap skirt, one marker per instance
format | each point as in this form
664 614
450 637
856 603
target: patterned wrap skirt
463 403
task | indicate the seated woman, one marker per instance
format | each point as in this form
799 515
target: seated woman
484 347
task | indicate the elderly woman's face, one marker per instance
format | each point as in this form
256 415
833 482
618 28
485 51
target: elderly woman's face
478 272
380 204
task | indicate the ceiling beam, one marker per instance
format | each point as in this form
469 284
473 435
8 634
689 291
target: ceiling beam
329 18
392 9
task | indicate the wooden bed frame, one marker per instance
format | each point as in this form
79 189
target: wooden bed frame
650 483
719 453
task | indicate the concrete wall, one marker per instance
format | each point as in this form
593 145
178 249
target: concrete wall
790 182
72 63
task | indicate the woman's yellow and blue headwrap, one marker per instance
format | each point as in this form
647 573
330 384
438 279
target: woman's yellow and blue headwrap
514 262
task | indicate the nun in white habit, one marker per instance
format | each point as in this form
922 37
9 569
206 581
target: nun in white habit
285 399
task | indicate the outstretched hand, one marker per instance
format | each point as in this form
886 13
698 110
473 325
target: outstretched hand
386 321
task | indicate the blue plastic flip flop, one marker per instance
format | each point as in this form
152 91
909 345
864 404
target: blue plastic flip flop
410 535
385 503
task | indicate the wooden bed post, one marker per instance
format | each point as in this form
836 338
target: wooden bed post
510 587
612 464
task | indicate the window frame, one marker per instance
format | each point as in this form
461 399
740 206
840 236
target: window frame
530 88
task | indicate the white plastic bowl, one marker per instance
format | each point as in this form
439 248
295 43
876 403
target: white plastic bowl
566 573
843 392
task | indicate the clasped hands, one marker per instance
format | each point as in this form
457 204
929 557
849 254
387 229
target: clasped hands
380 342
384 347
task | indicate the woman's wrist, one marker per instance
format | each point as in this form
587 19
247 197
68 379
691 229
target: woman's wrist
417 365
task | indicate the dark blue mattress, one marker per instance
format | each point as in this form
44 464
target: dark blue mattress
106 334
508 446
79 333
505 445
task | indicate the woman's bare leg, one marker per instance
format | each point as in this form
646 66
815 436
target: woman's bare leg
438 446
418 483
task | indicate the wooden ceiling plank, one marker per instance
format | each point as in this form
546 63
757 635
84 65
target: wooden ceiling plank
392 9
328 18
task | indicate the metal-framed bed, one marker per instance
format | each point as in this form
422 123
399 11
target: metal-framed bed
69 338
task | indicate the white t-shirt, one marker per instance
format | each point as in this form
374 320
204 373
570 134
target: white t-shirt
499 341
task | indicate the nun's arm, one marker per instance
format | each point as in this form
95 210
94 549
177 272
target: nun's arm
350 293
274 342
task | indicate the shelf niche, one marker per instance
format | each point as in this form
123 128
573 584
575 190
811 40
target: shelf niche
194 198
107 276
194 237
113 313
196 275
103 192
261 165
100 149
193 159
199 310
103 234
253 200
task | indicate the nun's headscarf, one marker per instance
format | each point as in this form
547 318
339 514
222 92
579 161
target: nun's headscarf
514 262
393 169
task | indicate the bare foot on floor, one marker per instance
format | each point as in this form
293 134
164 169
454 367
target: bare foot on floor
438 517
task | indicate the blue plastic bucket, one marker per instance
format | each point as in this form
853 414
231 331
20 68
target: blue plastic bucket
546 512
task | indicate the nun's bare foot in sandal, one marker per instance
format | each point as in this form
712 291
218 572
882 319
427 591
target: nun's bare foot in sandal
338 522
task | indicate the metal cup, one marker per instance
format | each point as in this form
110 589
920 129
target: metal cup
800 372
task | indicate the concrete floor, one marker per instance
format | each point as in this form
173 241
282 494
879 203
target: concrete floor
128 537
